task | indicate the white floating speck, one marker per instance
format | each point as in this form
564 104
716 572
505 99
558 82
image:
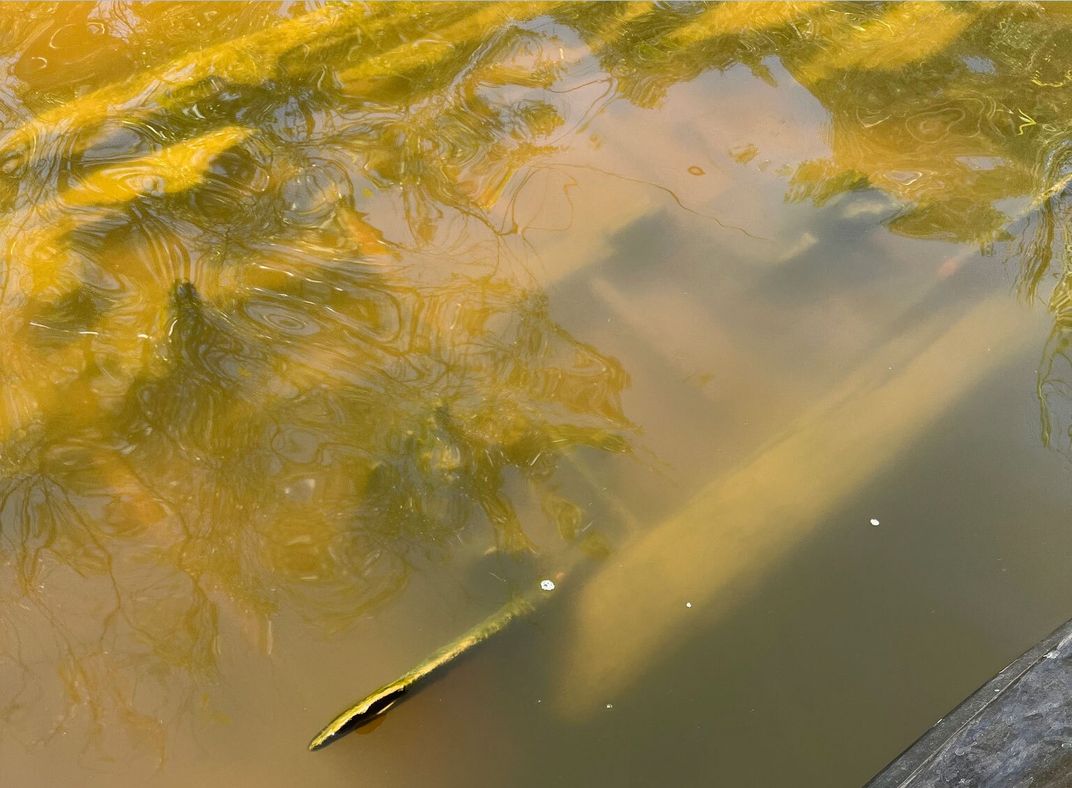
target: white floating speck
547 585
874 521
688 604
610 705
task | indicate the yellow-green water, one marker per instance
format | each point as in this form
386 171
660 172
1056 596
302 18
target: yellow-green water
325 329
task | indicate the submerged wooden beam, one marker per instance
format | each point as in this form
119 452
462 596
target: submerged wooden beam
737 529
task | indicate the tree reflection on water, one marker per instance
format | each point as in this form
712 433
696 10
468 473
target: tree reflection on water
261 347
262 338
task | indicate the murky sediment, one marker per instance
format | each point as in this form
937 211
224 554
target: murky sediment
327 329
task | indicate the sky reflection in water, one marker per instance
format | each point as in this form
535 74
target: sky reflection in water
278 310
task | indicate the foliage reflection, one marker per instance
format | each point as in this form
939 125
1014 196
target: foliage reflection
259 341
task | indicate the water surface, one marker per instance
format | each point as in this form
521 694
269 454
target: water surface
328 328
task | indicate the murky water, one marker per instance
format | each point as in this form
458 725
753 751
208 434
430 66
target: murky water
327 329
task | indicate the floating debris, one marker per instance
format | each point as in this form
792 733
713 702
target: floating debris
547 585
372 706
874 521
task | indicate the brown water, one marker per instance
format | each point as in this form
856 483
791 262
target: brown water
326 329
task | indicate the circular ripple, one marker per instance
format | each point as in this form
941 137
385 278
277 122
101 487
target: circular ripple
282 318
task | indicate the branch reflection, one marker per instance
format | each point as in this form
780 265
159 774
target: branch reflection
261 344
